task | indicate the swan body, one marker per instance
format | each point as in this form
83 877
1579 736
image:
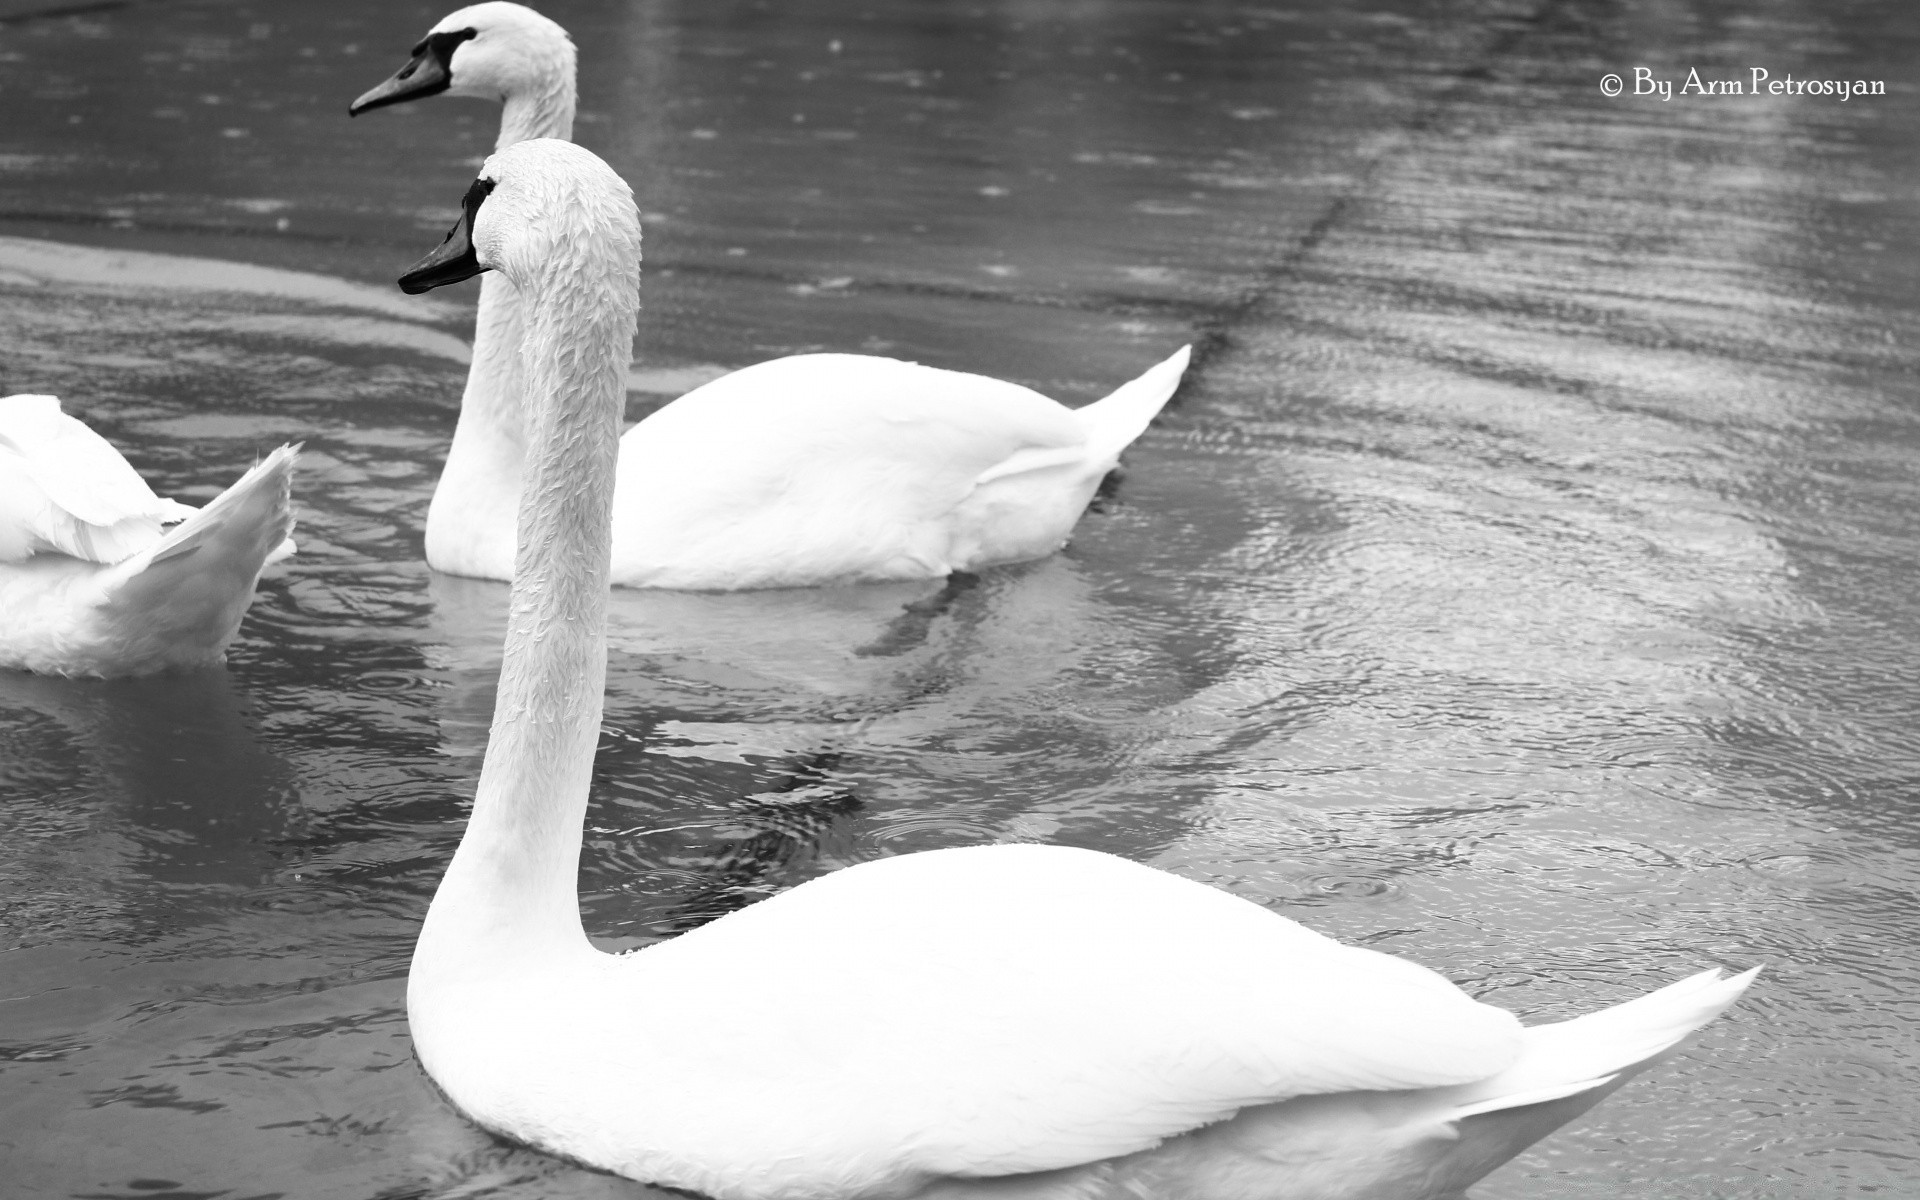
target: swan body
851 467
92 580
1053 1021
1013 1022
806 470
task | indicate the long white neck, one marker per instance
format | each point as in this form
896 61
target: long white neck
543 109
478 495
476 503
512 890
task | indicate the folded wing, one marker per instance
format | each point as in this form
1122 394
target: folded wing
1021 1008
64 489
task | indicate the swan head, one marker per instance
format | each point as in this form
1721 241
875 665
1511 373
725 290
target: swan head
537 207
496 51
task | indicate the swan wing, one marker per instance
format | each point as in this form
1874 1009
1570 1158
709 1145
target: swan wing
64 488
822 466
1010 1009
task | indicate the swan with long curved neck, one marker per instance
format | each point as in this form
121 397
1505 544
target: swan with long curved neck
997 1022
810 469
99 576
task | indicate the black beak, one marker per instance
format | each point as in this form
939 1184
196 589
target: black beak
429 73
453 260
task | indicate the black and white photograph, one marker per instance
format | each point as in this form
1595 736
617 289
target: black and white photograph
959 600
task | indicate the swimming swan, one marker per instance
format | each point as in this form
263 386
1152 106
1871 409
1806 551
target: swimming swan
1020 1021
91 580
811 469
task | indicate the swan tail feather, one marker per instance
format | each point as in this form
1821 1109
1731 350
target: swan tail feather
1540 1095
179 602
1608 1046
1567 1068
1112 423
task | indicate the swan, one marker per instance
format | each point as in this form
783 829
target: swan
92 581
1013 1021
806 470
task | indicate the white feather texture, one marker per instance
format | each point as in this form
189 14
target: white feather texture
806 470
1011 1022
68 491
92 580
827 467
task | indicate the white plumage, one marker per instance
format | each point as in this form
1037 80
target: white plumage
68 491
825 467
805 470
1010 1022
92 580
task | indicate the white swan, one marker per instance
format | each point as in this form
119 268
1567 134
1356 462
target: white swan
1006 1021
811 469
91 580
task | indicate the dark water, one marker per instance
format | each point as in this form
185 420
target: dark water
1524 582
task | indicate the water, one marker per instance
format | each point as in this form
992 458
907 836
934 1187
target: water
1524 581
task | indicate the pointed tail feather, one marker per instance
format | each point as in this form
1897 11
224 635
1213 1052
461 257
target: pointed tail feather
1593 1050
1565 1069
1113 422
179 602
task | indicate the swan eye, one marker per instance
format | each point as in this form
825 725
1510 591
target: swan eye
477 191
443 45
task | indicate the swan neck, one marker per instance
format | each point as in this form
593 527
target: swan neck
495 387
544 110
513 888
477 501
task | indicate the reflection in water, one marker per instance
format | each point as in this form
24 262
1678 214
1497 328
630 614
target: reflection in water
773 833
1524 583
166 781
37 263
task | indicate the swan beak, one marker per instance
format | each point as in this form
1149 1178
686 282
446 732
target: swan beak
425 75
452 261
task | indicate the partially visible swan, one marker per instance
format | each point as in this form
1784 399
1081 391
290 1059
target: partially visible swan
91 580
1002 1022
811 469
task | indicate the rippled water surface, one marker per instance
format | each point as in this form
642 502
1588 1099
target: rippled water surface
1524 582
